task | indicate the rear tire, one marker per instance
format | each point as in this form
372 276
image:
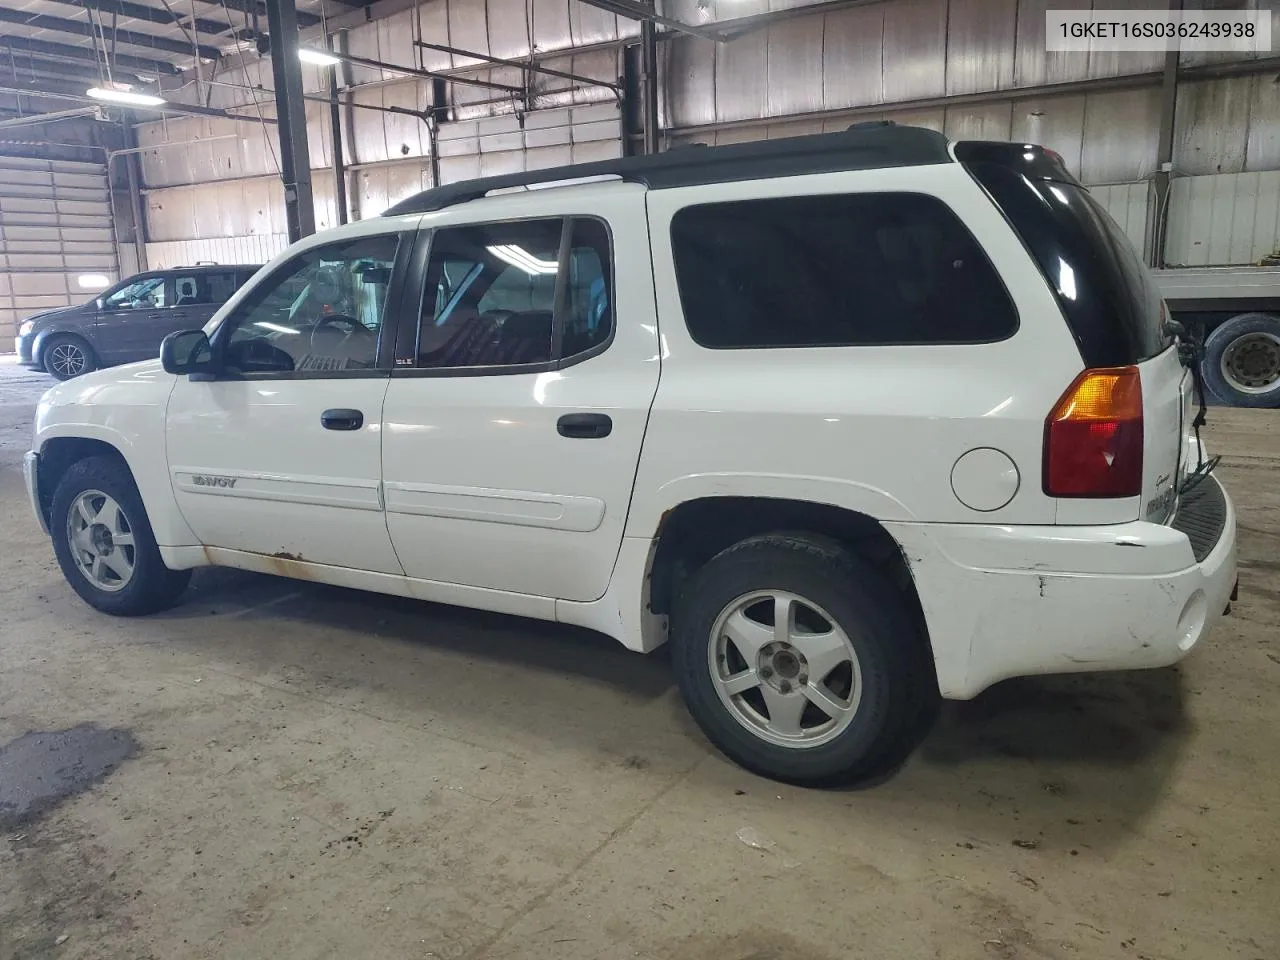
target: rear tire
843 693
104 544
66 356
1242 360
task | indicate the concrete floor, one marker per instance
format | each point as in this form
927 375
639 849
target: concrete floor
321 773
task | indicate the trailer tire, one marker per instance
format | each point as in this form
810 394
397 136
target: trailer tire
1242 360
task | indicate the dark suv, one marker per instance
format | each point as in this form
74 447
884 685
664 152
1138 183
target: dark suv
127 321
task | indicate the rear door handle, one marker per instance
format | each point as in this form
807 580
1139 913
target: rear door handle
342 419
584 426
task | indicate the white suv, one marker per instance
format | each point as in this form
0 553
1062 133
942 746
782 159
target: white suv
854 420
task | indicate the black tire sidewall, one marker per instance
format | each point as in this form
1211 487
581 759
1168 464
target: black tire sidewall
153 586
1216 345
46 355
867 608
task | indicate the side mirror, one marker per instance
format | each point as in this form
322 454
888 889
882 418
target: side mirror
187 352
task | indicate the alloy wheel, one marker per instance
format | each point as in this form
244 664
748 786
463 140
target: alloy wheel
101 541
784 668
68 359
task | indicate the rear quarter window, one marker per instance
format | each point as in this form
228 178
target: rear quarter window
1107 295
844 270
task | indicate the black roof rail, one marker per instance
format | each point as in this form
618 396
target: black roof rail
861 147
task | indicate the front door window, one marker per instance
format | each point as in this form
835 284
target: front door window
322 311
145 294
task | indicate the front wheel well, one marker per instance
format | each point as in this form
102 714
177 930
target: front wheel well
57 457
695 531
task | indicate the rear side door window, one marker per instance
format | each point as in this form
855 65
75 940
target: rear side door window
203 289
515 295
844 270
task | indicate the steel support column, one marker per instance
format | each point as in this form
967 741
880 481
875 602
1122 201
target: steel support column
1162 182
291 116
137 210
649 84
335 133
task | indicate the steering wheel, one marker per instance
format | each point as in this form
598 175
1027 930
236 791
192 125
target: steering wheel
340 324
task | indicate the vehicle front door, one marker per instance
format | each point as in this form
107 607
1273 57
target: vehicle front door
131 320
281 452
513 425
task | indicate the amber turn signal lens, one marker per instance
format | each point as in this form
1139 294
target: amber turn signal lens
1093 436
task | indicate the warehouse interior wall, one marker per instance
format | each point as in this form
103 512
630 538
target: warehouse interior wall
66 222
969 68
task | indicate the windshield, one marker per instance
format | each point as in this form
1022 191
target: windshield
1107 294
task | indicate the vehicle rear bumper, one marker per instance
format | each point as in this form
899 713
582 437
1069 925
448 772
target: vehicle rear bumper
31 475
1009 601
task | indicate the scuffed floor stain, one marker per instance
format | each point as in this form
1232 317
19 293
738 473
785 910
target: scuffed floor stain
38 770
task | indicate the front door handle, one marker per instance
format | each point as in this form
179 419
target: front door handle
342 419
584 426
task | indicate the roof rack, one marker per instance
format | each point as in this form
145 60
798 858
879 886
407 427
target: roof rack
864 146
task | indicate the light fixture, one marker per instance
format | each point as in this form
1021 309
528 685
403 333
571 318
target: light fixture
275 327
115 95
317 57
93 281
521 258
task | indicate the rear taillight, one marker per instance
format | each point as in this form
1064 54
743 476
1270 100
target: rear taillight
1093 437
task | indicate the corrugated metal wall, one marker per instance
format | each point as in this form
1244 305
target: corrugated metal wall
55 226
895 59
220 193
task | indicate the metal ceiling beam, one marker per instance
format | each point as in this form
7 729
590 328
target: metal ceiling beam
52 90
520 65
62 51
83 28
29 67
639 11
731 29
252 7
139 11
427 74
38 118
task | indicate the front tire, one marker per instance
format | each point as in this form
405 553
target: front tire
66 356
801 662
104 544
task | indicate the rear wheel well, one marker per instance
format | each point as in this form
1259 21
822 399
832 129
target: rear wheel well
59 454
695 531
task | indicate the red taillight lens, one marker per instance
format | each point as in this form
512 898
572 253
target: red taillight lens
1093 437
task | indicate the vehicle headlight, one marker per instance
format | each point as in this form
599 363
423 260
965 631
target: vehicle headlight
25 329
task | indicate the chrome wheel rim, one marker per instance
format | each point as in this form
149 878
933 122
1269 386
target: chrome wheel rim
1251 363
784 669
68 359
101 541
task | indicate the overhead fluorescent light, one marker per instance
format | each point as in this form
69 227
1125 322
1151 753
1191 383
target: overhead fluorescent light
93 281
317 57
111 95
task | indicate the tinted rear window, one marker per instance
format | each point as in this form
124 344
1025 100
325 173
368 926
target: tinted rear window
843 270
1107 295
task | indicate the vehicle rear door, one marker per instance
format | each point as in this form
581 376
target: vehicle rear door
197 296
516 413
